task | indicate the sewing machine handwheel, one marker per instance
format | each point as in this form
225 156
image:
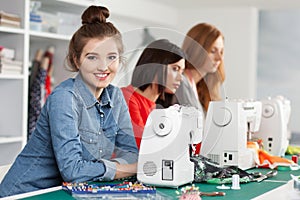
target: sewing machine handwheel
162 126
268 110
223 117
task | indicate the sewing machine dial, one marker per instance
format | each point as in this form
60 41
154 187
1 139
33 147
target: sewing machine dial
268 110
222 117
162 126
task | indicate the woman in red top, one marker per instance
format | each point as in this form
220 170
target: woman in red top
158 70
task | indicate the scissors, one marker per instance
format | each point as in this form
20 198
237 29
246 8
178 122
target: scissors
265 176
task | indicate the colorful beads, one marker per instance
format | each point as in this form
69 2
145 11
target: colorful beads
189 193
100 188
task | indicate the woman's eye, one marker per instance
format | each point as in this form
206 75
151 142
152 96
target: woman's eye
91 57
112 57
176 69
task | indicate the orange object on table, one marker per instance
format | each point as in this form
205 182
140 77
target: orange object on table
264 159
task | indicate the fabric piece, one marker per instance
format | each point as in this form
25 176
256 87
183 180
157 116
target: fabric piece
47 82
293 150
264 159
35 95
210 172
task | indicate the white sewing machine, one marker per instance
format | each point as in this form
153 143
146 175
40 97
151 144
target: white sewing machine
228 126
274 125
164 156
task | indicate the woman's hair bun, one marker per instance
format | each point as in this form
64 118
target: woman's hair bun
95 14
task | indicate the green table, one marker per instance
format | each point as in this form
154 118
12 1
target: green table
247 191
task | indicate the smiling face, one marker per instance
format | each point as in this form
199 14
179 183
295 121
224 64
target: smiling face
99 62
174 76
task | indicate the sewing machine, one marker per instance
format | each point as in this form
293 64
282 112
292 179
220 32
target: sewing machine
229 125
274 125
164 156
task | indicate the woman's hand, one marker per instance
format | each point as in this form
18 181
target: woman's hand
125 170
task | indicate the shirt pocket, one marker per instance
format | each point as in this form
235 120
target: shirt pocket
90 145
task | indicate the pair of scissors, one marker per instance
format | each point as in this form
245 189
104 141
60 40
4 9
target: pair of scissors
267 175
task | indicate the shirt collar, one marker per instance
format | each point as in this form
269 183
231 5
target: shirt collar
88 98
105 96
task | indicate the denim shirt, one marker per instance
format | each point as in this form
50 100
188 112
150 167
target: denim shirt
74 140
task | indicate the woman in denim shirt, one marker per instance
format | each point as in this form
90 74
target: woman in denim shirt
84 131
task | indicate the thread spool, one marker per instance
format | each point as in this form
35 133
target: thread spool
235 182
295 159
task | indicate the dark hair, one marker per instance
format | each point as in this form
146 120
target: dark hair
94 25
153 62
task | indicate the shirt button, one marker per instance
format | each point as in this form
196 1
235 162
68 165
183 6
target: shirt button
100 150
91 140
101 115
99 133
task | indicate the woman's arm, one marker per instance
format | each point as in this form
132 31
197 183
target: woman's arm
67 146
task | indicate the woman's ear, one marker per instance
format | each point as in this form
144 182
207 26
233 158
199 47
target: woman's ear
76 62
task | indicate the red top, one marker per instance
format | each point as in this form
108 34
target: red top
139 109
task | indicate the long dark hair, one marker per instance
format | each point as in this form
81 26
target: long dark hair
153 62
